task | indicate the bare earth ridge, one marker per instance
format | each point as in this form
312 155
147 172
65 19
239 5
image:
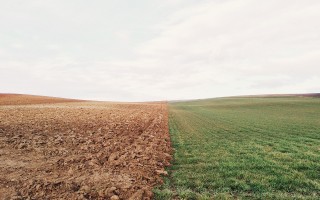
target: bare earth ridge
22 99
82 150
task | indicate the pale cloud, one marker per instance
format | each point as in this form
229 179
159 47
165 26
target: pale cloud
156 51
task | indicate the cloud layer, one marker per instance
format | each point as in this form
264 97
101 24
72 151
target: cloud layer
159 50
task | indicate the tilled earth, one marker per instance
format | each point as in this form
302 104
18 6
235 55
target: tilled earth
22 99
83 150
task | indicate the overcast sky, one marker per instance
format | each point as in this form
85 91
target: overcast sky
124 50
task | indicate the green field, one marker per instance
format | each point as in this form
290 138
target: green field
244 148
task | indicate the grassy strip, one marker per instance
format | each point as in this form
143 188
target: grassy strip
244 148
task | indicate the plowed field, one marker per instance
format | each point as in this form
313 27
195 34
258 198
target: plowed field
82 150
21 99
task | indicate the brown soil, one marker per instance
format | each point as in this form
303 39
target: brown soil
21 99
82 150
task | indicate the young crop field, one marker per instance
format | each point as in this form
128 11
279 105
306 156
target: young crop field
244 148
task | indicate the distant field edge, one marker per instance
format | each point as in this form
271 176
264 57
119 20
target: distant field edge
314 95
26 99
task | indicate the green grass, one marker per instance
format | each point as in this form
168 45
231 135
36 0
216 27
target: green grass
244 148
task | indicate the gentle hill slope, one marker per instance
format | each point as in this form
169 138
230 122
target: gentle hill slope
23 99
244 147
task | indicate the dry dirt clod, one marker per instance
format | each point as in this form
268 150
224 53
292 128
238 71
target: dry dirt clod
148 194
110 191
162 172
137 196
85 189
38 187
16 198
101 193
114 197
22 146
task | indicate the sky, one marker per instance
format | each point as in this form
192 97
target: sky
124 50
